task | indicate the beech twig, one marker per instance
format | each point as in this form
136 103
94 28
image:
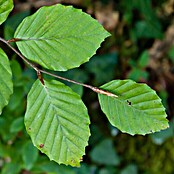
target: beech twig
95 89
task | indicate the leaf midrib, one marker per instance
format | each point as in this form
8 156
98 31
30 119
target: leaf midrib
54 38
59 122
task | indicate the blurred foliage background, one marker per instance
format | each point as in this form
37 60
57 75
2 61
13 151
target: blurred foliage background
141 48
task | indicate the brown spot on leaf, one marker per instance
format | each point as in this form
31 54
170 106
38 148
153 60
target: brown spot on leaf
41 145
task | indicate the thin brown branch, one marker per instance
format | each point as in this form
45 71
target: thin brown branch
19 54
13 40
95 89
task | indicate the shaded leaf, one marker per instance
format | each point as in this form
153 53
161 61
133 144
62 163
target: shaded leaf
16 70
85 168
6 85
102 156
57 121
143 60
171 53
131 168
136 110
6 7
53 168
96 135
137 74
148 29
16 98
99 65
12 168
29 155
160 137
109 170
12 23
17 125
77 75
59 37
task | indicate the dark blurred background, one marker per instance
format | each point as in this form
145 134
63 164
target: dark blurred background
141 48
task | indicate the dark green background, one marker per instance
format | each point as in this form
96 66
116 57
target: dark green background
136 26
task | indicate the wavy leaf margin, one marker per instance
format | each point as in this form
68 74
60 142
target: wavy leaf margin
59 37
57 121
137 109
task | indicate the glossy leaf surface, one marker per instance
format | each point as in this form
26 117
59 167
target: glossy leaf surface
59 37
136 110
57 121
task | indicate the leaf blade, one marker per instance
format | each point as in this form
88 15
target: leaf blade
59 37
29 155
52 122
103 157
6 85
136 110
6 7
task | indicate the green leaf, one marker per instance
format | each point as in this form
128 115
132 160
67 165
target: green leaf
137 74
12 23
29 155
52 168
6 85
12 168
171 53
16 70
131 168
77 75
109 170
102 156
57 121
16 98
59 37
143 60
99 65
148 29
6 7
17 125
85 168
136 110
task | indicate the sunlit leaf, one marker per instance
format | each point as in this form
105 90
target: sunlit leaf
6 7
57 121
6 85
136 110
59 37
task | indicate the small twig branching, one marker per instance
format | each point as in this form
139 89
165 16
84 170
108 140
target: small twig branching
39 71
